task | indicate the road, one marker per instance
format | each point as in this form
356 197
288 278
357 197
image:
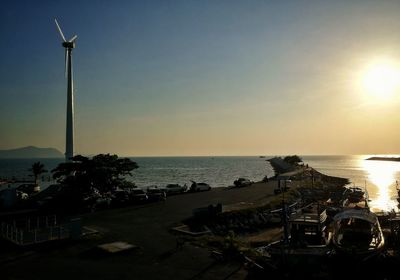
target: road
149 227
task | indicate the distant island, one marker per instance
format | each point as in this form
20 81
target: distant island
384 158
31 152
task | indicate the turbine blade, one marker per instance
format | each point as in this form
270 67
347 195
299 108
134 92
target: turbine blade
73 39
59 30
66 64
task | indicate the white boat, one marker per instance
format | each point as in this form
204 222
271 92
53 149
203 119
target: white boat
357 232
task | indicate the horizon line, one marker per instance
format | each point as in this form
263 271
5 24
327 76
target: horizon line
211 156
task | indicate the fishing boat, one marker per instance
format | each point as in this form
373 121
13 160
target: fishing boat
354 194
357 232
306 237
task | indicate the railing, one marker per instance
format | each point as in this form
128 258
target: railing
25 233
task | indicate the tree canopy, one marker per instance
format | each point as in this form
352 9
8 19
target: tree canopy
104 172
294 160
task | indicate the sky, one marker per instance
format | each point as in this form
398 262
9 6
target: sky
192 77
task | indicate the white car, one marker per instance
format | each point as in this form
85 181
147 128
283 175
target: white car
197 187
242 182
174 189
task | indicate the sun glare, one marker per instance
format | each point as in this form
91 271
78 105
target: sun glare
381 79
382 174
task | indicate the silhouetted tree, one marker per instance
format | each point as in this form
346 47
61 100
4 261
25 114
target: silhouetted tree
104 172
294 160
37 169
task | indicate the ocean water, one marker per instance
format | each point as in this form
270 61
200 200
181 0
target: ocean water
216 171
379 177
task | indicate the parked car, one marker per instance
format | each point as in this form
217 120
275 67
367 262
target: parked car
242 182
196 187
138 195
103 202
175 189
156 194
119 198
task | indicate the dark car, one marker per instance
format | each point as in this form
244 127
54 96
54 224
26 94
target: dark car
155 194
138 195
120 198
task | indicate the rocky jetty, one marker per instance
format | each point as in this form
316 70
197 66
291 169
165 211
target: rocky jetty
384 158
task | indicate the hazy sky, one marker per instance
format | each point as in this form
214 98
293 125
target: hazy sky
200 77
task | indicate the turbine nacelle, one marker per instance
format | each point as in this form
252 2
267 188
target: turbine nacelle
68 45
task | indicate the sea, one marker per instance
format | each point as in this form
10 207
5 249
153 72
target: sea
379 178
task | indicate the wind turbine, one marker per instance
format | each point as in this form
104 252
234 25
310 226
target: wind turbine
69 45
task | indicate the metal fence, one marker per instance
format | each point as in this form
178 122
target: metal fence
33 230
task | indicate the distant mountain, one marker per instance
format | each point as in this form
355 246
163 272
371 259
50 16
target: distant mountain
31 152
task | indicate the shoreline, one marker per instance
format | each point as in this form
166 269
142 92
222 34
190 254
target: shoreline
149 227
160 251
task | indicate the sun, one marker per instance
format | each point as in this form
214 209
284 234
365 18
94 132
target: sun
381 79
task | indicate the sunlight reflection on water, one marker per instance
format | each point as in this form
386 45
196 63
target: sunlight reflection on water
382 183
378 176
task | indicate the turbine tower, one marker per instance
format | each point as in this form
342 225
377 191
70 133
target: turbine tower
69 45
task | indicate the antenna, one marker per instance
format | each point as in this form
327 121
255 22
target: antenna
366 194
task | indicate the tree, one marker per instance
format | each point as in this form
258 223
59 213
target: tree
293 160
103 172
37 169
